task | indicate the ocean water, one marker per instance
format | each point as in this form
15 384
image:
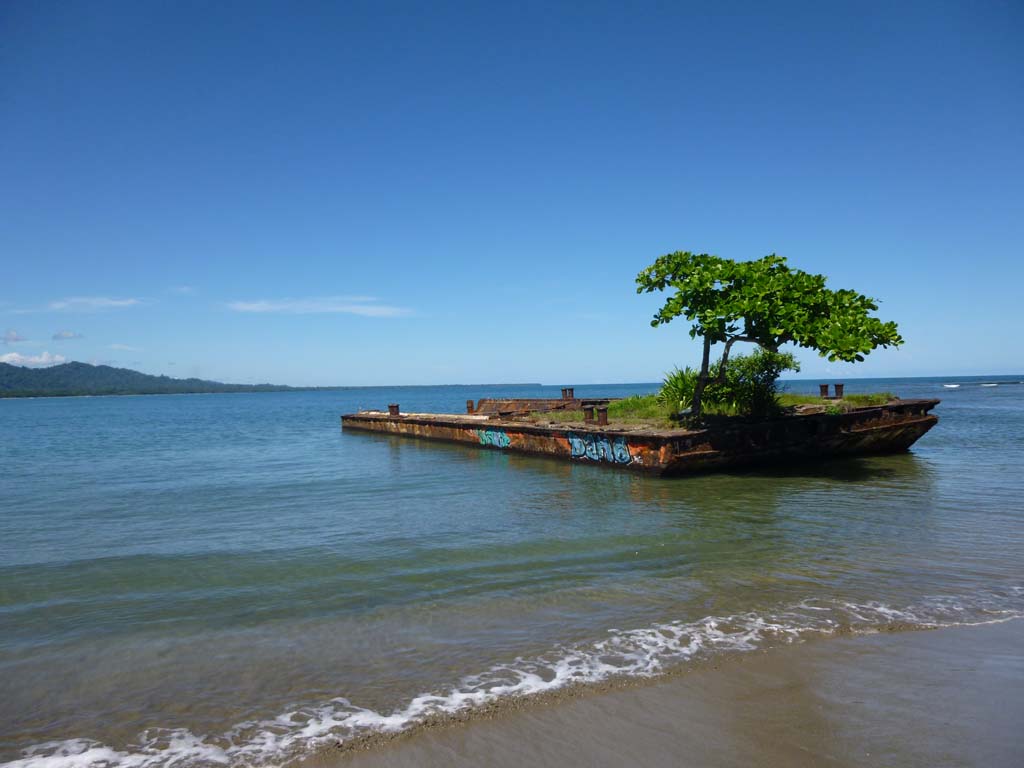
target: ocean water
232 580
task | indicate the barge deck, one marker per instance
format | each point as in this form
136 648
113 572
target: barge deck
889 428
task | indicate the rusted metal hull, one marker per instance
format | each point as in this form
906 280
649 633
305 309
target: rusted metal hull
888 428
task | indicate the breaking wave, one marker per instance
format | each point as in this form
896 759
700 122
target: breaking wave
644 652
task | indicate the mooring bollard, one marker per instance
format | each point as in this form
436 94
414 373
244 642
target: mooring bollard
393 409
469 406
823 388
839 391
602 416
588 414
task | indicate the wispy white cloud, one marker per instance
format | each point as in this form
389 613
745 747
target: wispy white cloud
66 336
33 361
90 304
365 306
125 348
12 337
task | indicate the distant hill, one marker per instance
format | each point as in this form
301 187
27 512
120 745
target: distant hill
84 379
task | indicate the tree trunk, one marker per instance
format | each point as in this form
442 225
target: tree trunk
702 380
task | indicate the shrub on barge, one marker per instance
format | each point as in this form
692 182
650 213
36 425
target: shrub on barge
748 387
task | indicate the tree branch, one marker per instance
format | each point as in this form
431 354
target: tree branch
720 379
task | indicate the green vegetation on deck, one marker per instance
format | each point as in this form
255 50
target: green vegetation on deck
848 401
646 410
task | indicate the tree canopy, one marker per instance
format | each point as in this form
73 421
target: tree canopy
764 302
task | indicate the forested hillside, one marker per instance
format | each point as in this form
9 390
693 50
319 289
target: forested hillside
85 379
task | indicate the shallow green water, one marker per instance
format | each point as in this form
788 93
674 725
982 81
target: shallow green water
232 579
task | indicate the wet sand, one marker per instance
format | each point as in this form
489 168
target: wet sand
949 697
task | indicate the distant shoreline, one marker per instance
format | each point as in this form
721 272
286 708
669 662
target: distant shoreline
257 390
49 395
974 380
76 379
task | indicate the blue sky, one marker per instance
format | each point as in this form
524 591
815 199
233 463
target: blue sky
370 193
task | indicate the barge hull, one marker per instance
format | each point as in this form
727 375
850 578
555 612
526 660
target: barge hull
891 428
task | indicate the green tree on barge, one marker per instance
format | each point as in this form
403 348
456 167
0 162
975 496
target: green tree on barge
764 302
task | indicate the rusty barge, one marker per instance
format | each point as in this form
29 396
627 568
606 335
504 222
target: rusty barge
506 425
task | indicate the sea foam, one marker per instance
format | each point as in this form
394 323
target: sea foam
639 652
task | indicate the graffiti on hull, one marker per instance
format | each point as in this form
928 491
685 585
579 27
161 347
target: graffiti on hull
599 448
495 437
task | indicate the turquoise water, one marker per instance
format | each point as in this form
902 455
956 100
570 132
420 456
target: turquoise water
231 579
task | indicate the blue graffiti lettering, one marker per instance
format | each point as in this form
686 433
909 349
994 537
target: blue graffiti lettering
621 451
577 446
599 448
495 437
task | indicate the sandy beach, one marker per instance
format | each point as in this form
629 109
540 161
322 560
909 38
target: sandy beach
949 697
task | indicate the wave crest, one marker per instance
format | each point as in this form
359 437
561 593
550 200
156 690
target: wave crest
642 652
